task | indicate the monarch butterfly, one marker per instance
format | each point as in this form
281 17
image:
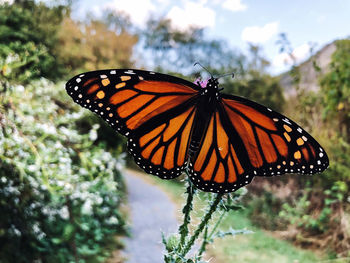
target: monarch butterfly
172 124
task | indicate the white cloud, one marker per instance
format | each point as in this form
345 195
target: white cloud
234 5
138 10
10 2
256 34
192 13
299 54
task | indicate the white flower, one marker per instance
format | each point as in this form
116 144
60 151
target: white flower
98 200
32 168
112 220
16 231
86 209
36 228
64 213
93 135
60 183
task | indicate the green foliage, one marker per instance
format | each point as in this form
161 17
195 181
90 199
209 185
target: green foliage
263 89
39 39
336 87
259 246
28 39
60 190
178 245
262 210
95 44
253 81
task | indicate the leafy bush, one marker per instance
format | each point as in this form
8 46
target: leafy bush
28 41
60 191
336 87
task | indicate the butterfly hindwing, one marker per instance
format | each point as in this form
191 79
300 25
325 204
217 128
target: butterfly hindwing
216 166
160 146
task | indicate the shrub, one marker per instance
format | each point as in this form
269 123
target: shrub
60 191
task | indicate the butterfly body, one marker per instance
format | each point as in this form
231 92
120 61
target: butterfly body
172 124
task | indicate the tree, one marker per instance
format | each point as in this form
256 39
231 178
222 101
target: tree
263 89
96 44
255 83
28 38
177 50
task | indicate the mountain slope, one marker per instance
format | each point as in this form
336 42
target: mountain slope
308 74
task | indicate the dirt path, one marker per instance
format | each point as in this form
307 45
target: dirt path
151 211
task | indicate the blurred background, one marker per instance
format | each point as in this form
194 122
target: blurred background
61 179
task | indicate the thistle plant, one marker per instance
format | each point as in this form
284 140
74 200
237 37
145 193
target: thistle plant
180 244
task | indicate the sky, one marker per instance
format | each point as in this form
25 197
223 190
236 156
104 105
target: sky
239 22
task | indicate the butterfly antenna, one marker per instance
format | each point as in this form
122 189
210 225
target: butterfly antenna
227 74
197 63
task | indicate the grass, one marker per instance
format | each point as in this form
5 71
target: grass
257 247
260 246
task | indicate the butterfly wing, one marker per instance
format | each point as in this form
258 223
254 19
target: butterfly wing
160 146
245 139
155 111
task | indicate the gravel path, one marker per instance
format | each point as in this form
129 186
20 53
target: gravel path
151 211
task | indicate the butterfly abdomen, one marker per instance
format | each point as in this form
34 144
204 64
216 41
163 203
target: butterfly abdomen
206 108
194 147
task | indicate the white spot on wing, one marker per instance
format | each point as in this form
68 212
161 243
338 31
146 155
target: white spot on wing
287 121
129 72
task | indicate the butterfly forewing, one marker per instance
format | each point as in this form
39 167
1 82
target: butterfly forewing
127 98
155 111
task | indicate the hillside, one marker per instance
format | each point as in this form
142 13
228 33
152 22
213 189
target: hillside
309 76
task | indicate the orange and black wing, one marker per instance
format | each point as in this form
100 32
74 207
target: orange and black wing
244 139
160 146
155 111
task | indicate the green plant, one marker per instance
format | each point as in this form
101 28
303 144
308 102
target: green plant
60 191
178 245
336 87
28 41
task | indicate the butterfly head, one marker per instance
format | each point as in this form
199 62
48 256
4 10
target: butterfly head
212 84
212 87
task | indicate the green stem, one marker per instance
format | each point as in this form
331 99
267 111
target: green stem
183 229
206 237
216 225
204 243
203 223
